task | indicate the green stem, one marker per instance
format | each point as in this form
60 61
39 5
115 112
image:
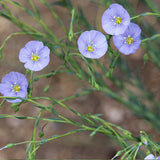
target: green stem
151 5
135 154
34 8
6 8
35 17
85 92
48 30
30 85
32 155
70 34
32 118
55 15
145 14
150 38
47 140
16 21
67 107
20 33
52 73
4 100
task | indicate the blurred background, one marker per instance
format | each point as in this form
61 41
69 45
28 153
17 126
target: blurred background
80 145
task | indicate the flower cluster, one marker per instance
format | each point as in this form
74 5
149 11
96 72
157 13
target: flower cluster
91 44
116 22
126 35
35 56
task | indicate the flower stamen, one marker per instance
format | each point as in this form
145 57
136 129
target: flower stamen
35 57
129 40
90 48
118 20
16 88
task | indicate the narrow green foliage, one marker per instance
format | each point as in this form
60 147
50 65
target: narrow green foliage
145 58
95 131
119 153
20 117
79 76
114 61
82 19
46 89
64 3
12 98
146 14
55 14
27 72
10 145
41 134
29 12
8 37
2 103
16 3
65 106
16 109
5 15
13 105
152 6
53 111
34 9
54 136
30 88
70 34
110 73
1 117
43 141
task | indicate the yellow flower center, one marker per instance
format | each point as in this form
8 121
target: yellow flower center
35 57
118 20
129 40
16 88
90 48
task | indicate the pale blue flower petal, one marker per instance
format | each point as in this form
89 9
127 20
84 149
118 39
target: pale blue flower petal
150 157
25 55
44 52
5 88
9 81
133 30
109 16
120 41
34 48
28 64
96 40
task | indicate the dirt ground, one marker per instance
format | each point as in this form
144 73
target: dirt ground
80 145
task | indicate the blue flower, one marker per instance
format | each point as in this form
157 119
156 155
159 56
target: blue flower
115 19
129 41
92 44
35 55
151 157
14 84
